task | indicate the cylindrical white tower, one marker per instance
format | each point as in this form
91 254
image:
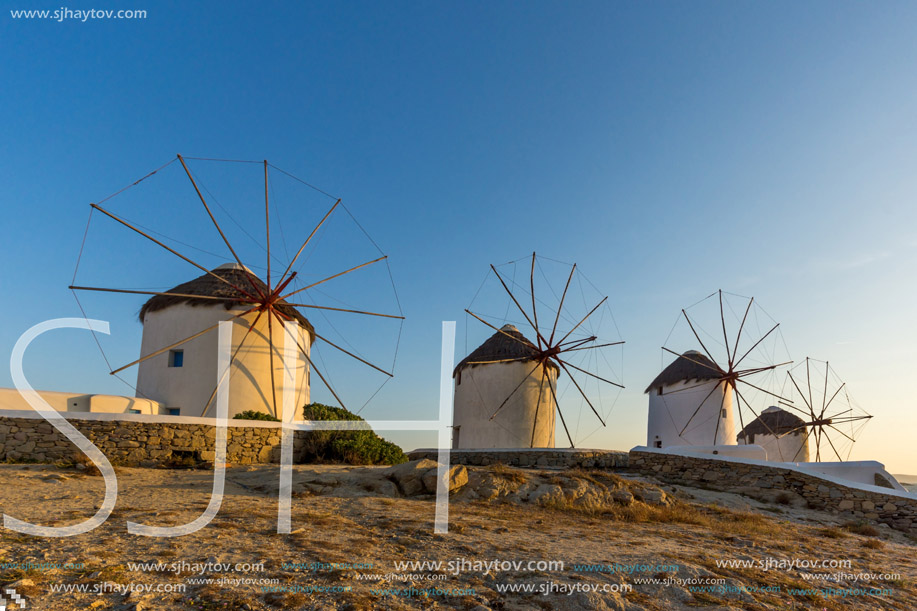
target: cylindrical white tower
184 379
689 406
503 372
782 435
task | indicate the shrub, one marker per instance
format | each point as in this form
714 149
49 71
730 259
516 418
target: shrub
862 528
352 447
251 414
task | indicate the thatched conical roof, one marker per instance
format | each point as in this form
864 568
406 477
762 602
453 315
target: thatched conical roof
692 365
207 285
778 420
501 346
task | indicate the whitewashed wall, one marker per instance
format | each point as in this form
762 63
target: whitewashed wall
190 387
481 391
672 410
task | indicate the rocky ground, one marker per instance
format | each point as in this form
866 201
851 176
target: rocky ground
624 543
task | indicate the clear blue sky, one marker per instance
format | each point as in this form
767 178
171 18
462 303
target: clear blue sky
671 149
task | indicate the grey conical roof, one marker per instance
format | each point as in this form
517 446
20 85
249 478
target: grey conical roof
207 285
692 365
773 421
508 343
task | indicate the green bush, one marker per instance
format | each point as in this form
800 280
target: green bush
352 447
251 414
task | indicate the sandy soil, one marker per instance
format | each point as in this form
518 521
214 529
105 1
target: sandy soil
349 531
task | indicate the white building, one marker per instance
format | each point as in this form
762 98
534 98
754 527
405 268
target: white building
784 436
503 372
689 406
183 379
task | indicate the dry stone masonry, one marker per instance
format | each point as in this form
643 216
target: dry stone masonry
140 443
532 457
897 511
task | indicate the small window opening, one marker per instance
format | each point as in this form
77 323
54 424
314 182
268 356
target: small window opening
176 358
174 411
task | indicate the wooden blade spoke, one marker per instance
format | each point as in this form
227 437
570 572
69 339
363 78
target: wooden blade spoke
178 343
850 419
809 383
352 269
521 358
162 294
725 337
741 419
315 369
309 239
267 226
270 348
540 340
560 413
588 373
792 430
752 410
831 443
735 348
604 299
756 345
576 343
800 410
719 414
749 372
832 398
209 213
538 406
561 306
318 307
701 342
799 390
687 388
825 393
716 367
174 252
513 337
802 445
510 395
575 383
762 390
352 355
841 432
231 360
700 405
534 309
592 347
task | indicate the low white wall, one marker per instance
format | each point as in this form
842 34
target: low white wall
753 451
11 399
833 472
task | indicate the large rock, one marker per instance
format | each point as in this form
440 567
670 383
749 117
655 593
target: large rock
409 475
546 494
652 496
457 477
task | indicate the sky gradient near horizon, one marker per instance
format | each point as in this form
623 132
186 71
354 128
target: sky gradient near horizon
670 149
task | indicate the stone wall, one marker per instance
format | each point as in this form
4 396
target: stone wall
533 457
893 509
140 443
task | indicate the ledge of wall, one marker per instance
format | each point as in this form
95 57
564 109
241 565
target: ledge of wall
858 502
150 443
532 457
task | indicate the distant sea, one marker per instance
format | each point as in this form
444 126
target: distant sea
908 481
